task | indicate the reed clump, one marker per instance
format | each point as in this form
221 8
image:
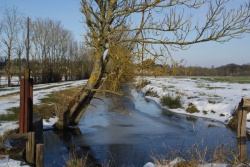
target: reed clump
195 157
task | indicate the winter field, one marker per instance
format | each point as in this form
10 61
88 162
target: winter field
10 97
214 99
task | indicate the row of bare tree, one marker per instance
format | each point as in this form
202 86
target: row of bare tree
54 54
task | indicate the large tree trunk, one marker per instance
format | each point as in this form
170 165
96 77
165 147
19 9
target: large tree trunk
78 105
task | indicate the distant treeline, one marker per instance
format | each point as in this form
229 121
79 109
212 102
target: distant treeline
148 67
226 70
54 53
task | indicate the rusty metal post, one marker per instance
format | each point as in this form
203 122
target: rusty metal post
241 131
21 110
30 104
26 103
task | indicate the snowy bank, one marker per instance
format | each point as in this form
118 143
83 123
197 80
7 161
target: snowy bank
214 100
178 160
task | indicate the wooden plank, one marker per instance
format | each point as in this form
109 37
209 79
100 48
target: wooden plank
239 115
245 102
39 155
241 133
30 148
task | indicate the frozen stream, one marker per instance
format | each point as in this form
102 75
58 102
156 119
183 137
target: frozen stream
129 131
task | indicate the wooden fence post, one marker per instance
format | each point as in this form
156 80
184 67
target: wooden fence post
30 148
39 155
241 131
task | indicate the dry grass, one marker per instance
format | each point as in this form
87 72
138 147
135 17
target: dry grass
13 152
55 102
74 160
198 157
171 102
51 105
192 108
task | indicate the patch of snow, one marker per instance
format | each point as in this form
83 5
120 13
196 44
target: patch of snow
47 124
14 80
6 162
149 164
176 160
214 165
5 126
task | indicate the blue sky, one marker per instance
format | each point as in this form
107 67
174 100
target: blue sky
67 11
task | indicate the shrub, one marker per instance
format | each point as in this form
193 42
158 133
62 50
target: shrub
204 112
197 156
171 102
76 162
192 108
211 101
151 93
144 83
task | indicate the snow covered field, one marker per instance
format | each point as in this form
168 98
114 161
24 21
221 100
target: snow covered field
215 100
9 97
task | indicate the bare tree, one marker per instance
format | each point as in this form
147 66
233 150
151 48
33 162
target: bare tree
0 45
49 42
1 58
84 61
1 25
11 27
65 39
19 52
166 25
